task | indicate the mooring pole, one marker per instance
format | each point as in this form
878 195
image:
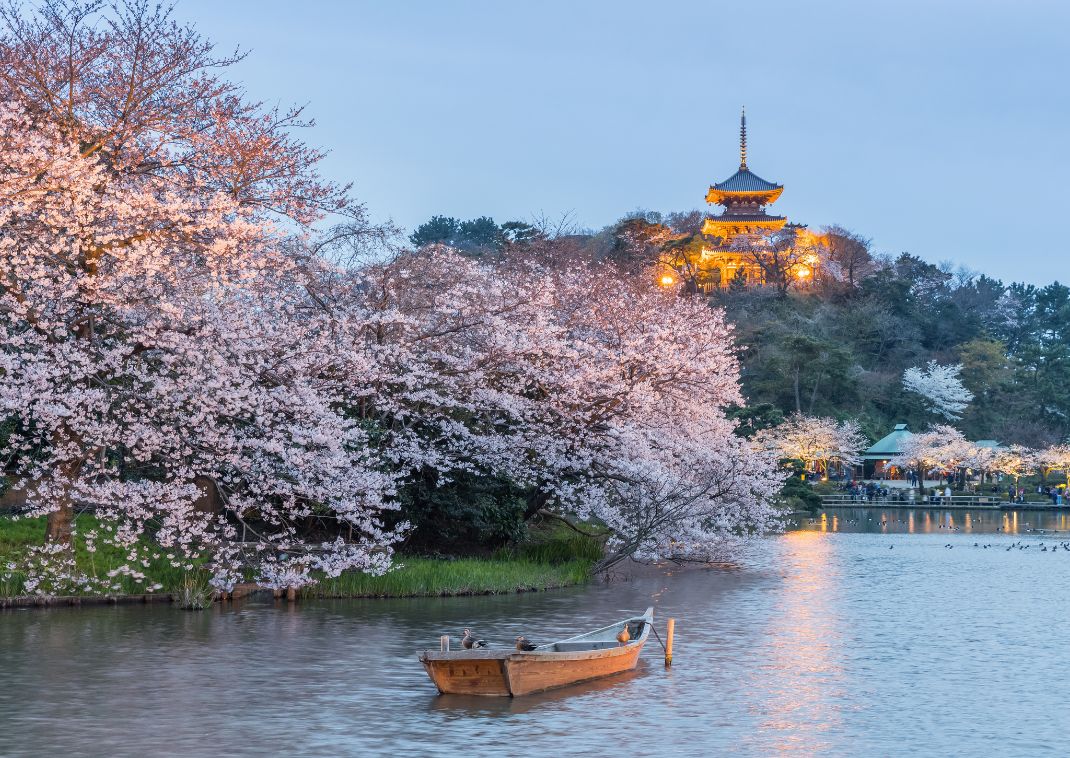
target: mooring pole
444 643
668 642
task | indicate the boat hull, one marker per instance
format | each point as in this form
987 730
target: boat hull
528 675
515 674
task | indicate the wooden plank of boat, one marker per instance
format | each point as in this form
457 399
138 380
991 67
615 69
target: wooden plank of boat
577 659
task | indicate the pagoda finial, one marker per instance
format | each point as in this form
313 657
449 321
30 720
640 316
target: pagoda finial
743 138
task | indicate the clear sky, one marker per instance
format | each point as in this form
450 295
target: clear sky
936 127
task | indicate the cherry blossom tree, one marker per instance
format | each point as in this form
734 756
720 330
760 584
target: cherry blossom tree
981 459
186 352
161 338
941 447
940 387
818 441
1014 461
600 393
786 257
1054 458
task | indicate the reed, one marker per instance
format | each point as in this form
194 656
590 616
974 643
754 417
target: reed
427 577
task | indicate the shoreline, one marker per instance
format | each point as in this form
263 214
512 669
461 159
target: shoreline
950 506
630 571
470 584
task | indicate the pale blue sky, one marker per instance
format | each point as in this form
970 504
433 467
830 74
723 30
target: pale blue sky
935 127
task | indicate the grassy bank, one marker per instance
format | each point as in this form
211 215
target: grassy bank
548 559
17 536
430 577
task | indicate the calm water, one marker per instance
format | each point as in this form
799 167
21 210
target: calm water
847 637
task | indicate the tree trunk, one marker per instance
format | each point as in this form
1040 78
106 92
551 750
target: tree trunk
813 395
208 501
537 500
798 400
58 528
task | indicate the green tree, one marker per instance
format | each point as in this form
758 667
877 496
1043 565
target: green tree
439 230
479 235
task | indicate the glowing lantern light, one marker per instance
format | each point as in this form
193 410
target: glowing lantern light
667 280
802 272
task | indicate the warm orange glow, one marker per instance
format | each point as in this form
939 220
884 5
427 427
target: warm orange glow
802 272
667 280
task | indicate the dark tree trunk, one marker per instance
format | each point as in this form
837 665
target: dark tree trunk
60 521
58 528
208 501
536 501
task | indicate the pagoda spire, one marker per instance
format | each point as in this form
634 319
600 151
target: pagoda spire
743 139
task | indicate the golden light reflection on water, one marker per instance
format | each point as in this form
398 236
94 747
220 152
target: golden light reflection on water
803 674
935 520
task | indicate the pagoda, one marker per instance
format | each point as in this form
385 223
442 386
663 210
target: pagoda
744 197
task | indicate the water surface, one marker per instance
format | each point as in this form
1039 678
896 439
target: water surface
862 633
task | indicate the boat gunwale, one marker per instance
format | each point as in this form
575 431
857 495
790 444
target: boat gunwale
543 653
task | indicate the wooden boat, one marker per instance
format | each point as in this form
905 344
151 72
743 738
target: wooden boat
510 672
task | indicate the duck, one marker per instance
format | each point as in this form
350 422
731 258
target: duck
468 641
624 635
522 643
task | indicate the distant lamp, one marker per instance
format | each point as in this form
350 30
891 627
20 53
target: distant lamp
667 280
802 272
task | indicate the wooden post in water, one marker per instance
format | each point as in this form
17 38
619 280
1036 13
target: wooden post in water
291 594
668 642
444 643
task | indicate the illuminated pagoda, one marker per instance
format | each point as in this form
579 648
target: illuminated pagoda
744 197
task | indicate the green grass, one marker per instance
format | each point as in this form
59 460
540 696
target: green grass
433 577
19 535
552 556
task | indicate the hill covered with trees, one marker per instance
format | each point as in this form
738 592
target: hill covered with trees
840 345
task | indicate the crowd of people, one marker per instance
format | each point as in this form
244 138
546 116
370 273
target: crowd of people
877 492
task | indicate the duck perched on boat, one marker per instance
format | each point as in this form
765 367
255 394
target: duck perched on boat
469 642
624 635
523 644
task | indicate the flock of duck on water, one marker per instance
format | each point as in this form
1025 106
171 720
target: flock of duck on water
1019 545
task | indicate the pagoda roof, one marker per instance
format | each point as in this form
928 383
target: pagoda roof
746 181
732 224
735 218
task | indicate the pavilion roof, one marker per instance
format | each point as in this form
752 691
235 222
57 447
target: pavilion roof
888 446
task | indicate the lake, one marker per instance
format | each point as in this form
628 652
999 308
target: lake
862 632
